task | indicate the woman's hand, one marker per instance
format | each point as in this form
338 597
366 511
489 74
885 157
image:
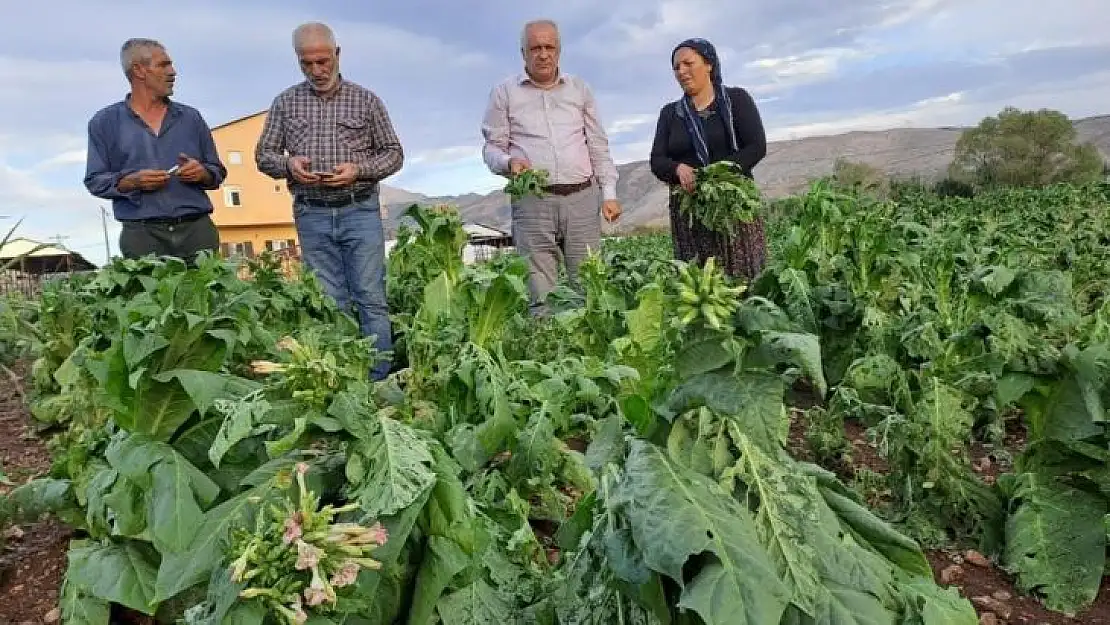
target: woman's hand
686 177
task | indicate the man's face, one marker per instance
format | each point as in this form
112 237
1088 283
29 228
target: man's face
320 65
541 53
158 75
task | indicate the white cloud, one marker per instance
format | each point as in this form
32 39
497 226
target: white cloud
1076 98
1000 27
812 63
629 123
776 74
911 11
67 158
443 155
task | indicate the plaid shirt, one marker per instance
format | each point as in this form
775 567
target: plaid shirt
350 126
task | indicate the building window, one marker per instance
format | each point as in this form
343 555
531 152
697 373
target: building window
280 244
229 250
235 157
233 196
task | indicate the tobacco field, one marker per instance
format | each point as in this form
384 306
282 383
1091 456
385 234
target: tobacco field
222 457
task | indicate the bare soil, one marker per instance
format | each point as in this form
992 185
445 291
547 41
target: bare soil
32 556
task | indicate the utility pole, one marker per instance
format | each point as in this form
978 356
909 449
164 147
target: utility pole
104 223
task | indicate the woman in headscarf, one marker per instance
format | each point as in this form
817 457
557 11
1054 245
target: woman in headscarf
710 123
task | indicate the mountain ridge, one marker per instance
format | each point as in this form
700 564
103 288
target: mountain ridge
788 167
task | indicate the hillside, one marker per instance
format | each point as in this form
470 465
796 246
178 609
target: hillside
789 166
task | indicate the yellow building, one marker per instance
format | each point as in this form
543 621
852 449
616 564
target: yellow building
252 211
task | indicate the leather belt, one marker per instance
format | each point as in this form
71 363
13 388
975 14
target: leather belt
351 198
567 189
172 221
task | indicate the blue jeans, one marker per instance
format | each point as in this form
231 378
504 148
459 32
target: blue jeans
345 248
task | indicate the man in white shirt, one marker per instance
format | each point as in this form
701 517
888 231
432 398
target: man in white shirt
546 119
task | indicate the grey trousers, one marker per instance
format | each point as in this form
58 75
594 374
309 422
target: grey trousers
551 228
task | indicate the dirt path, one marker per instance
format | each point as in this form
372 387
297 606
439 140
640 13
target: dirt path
32 557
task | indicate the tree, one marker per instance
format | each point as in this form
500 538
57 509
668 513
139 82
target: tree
862 177
1024 149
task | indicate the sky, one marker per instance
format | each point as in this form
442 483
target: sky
815 67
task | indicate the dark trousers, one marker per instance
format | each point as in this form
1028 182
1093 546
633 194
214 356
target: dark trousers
180 238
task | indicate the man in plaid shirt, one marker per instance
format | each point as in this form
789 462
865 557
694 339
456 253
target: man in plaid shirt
334 142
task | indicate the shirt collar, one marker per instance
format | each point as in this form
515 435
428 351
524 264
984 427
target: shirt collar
173 109
338 87
523 79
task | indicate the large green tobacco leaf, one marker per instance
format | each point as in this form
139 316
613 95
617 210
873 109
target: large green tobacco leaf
79 608
504 295
795 348
181 570
443 560
788 520
754 400
175 490
799 301
476 604
867 529
1056 541
929 604
841 606
119 572
833 577
676 515
390 469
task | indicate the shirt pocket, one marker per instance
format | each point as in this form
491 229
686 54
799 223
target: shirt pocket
354 133
296 135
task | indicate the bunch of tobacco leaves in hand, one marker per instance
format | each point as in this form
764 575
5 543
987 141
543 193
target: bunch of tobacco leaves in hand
527 182
722 198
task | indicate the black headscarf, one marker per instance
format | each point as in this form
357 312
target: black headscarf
695 125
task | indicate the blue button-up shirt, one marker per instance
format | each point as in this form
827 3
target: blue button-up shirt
120 143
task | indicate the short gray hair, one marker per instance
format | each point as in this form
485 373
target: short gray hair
137 50
312 30
528 25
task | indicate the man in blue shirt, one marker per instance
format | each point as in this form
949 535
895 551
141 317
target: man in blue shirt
154 159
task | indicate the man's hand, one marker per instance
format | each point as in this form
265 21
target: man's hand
686 177
611 210
517 165
298 168
190 170
344 175
143 180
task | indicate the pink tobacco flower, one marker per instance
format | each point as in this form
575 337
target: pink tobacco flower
346 575
293 529
308 556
